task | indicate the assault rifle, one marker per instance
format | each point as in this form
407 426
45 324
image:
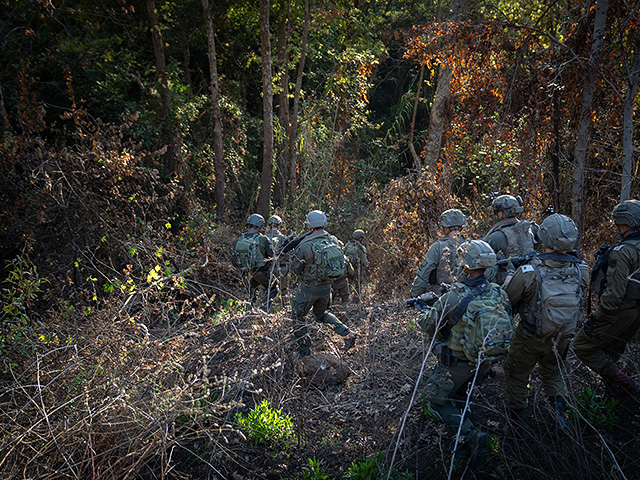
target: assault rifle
290 243
426 300
517 261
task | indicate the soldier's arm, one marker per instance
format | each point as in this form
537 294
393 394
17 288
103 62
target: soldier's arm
436 317
522 287
620 267
430 262
497 240
584 276
298 261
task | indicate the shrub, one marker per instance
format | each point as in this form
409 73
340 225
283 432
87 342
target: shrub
266 426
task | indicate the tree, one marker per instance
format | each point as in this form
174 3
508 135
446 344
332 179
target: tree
586 114
218 148
168 129
627 123
264 198
439 109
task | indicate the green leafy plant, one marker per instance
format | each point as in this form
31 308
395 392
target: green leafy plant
314 471
23 284
227 309
597 410
266 426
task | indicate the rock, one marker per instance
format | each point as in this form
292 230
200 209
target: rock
324 369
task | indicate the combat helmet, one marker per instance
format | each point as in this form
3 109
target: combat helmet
316 219
510 205
453 218
255 220
476 254
358 234
558 232
274 220
627 213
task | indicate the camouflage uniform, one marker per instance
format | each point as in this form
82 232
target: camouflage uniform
281 268
603 339
313 293
439 265
260 276
447 385
509 237
340 288
528 350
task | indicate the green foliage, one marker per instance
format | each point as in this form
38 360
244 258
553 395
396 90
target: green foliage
369 468
23 284
597 410
266 426
228 309
315 471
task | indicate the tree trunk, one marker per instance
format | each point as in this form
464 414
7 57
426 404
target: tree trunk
218 146
628 127
283 102
186 57
440 108
293 120
416 159
264 198
168 129
584 126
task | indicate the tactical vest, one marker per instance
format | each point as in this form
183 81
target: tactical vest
448 267
632 293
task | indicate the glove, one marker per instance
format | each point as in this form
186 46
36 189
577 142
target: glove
590 325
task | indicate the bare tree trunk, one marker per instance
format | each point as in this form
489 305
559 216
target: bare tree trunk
293 121
218 146
440 108
168 129
584 126
186 57
264 198
416 159
628 126
283 102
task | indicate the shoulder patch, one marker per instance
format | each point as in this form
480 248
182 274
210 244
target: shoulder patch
617 247
527 268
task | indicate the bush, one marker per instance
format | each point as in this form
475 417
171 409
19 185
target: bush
265 426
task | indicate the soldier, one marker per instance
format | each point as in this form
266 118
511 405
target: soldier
340 288
509 237
319 260
446 388
278 240
356 252
252 254
548 293
604 336
440 264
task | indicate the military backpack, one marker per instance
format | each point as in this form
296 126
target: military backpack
557 305
247 253
487 325
328 259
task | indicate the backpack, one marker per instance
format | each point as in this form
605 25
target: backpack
488 327
247 253
328 259
557 306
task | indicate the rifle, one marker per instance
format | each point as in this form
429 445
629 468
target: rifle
290 243
517 261
426 300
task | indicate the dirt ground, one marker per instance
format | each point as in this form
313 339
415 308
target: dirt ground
251 357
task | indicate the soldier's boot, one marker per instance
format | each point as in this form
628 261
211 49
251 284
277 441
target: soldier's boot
519 424
559 405
620 383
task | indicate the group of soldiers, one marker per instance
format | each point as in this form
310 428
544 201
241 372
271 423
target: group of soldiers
324 265
533 275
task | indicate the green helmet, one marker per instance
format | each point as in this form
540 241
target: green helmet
274 220
627 213
316 219
453 218
358 234
510 205
255 220
558 232
476 254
